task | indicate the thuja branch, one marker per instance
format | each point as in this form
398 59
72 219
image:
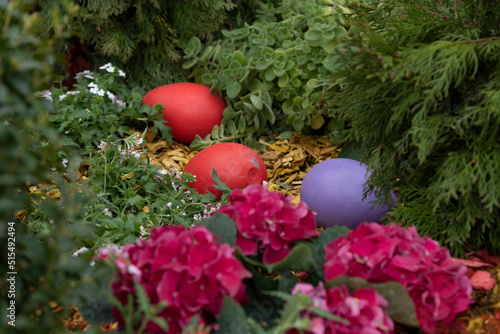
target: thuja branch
482 40
431 12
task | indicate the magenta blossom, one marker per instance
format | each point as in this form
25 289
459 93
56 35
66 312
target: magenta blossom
186 269
363 309
268 222
378 253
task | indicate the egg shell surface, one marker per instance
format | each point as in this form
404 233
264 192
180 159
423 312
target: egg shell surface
236 165
334 190
189 109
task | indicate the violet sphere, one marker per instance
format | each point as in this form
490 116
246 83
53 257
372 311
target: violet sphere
334 190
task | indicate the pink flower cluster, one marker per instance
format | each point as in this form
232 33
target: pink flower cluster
437 284
186 269
363 309
268 222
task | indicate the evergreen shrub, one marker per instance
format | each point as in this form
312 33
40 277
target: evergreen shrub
146 38
419 90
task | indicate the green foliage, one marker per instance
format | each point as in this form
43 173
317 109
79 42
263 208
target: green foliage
44 271
146 38
129 196
419 83
137 317
102 107
270 71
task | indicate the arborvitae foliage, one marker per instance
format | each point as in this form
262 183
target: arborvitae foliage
146 37
419 86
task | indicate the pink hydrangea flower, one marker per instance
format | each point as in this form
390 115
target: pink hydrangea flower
378 253
186 269
363 309
268 222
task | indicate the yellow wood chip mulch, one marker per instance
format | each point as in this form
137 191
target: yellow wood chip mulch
287 160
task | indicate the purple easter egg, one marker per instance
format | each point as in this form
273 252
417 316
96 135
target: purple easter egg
334 190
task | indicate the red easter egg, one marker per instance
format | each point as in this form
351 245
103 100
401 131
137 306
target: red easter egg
237 166
190 109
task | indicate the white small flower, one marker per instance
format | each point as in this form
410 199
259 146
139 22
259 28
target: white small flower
48 95
162 171
80 251
65 162
108 67
87 74
73 92
6 122
169 204
106 212
121 73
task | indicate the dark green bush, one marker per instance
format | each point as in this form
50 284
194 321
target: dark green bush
146 38
419 86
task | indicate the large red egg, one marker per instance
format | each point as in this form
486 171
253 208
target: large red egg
189 109
237 166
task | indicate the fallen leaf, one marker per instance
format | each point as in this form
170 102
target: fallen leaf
482 280
473 263
128 176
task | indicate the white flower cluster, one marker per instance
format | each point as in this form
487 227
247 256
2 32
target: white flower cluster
145 231
103 146
111 69
94 89
207 211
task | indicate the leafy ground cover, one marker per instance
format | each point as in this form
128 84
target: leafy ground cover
287 161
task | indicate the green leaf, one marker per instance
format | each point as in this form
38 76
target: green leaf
340 31
285 135
401 307
254 84
256 101
232 318
222 226
313 35
220 185
317 121
330 234
242 125
206 53
233 89
190 63
192 48
298 124
300 258
283 80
